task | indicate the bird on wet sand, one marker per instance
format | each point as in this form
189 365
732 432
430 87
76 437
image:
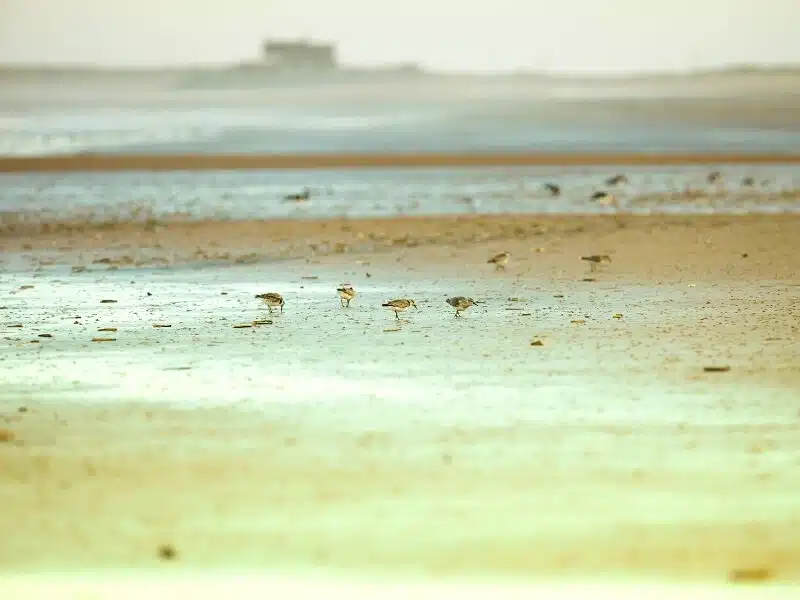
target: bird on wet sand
617 180
500 260
271 299
553 189
596 260
400 305
460 303
301 197
346 293
605 199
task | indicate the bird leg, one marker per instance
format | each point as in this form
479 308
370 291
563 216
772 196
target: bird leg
397 315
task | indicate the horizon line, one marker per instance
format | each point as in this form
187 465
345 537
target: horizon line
733 67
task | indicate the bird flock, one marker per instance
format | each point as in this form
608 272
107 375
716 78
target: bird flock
607 198
347 292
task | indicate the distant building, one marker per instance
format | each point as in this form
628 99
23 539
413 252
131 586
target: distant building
299 55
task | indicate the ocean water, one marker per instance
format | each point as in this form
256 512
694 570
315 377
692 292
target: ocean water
181 112
356 129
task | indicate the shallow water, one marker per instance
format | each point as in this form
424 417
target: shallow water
390 192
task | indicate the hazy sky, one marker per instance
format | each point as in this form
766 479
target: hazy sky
467 35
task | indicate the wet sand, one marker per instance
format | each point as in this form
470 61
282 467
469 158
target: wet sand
654 247
196 162
432 447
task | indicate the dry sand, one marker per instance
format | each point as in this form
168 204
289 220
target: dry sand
664 474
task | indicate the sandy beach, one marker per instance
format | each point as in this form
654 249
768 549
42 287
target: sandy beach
343 442
628 432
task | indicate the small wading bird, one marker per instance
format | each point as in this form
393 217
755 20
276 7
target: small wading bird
460 303
399 305
553 189
500 260
714 177
596 259
605 199
271 299
346 293
617 180
301 197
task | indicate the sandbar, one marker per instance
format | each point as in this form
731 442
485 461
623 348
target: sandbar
231 161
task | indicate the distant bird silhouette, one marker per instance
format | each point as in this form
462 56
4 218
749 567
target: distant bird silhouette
714 177
301 197
553 189
500 260
596 260
749 181
617 179
604 198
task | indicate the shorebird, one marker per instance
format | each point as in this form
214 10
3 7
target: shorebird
301 197
460 303
553 189
399 305
596 259
605 199
714 177
271 299
346 293
617 179
749 181
500 260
